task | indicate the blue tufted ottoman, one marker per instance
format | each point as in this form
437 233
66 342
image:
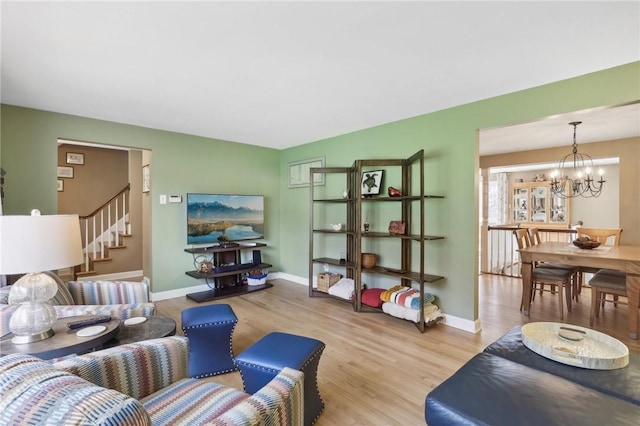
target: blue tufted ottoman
209 329
263 360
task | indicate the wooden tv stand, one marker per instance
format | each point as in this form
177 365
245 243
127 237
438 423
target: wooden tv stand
228 271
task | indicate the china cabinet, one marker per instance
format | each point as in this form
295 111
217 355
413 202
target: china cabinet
532 203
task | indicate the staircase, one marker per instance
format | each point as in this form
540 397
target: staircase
105 229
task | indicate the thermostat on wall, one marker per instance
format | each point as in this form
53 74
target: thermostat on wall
175 198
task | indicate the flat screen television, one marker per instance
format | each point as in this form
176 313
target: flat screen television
239 217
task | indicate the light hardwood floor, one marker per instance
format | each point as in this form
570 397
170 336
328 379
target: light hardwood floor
376 369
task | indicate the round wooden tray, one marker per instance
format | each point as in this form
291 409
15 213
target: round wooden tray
574 345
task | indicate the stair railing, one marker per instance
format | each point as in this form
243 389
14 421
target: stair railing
98 234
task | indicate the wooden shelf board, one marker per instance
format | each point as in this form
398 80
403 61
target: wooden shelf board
222 293
202 275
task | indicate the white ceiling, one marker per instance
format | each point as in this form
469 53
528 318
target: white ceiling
281 74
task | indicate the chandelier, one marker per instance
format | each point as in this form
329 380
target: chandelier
581 183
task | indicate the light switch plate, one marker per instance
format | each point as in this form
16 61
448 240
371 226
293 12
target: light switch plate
163 199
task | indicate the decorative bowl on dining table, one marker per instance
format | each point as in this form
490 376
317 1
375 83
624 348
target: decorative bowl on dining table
586 244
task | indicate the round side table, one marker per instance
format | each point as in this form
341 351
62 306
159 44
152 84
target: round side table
64 342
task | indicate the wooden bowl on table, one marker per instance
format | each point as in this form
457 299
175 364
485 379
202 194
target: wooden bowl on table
586 244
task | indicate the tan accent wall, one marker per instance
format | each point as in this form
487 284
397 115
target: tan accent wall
105 173
627 150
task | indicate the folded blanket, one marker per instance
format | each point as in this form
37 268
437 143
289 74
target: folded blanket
344 289
398 311
405 296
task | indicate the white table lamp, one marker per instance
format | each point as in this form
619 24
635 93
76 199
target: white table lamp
31 245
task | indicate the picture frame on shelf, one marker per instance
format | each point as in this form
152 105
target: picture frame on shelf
65 172
75 158
299 172
371 182
60 185
146 179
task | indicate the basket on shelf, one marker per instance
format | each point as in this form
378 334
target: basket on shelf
257 278
327 279
368 260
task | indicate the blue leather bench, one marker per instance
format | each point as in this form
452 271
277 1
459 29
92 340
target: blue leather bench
263 360
508 384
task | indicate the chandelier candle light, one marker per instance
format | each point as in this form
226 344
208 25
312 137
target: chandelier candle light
30 245
582 183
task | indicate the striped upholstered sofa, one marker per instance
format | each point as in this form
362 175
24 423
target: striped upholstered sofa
138 384
120 299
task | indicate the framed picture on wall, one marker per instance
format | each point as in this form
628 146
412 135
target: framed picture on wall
75 158
299 172
65 172
146 179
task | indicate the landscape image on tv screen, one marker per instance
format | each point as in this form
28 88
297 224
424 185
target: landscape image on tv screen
239 217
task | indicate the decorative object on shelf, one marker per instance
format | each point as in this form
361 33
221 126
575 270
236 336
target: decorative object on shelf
393 192
65 172
539 177
31 245
365 224
205 266
257 277
396 227
327 279
582 184
336 226
75 158
146 179
369 260
371 181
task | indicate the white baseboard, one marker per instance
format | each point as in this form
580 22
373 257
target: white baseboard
450 320
112 277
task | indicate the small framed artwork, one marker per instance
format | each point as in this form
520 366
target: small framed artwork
75 158
299 172
65 172
60 185
371 182
146 179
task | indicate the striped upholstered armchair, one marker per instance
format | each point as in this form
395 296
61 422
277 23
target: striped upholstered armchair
120 299
138 384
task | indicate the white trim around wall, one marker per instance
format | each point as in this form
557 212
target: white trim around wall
450 320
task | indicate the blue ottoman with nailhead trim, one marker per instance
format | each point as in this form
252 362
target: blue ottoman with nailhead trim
209 330
263 360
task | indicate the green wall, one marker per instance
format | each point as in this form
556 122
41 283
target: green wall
449 138
182 164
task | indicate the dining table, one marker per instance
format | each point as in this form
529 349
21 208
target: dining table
623 258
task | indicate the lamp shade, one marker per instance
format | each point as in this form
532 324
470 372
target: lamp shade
39 243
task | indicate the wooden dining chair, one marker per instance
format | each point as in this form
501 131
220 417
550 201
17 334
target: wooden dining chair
606 281
556 279
607 237
536 238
